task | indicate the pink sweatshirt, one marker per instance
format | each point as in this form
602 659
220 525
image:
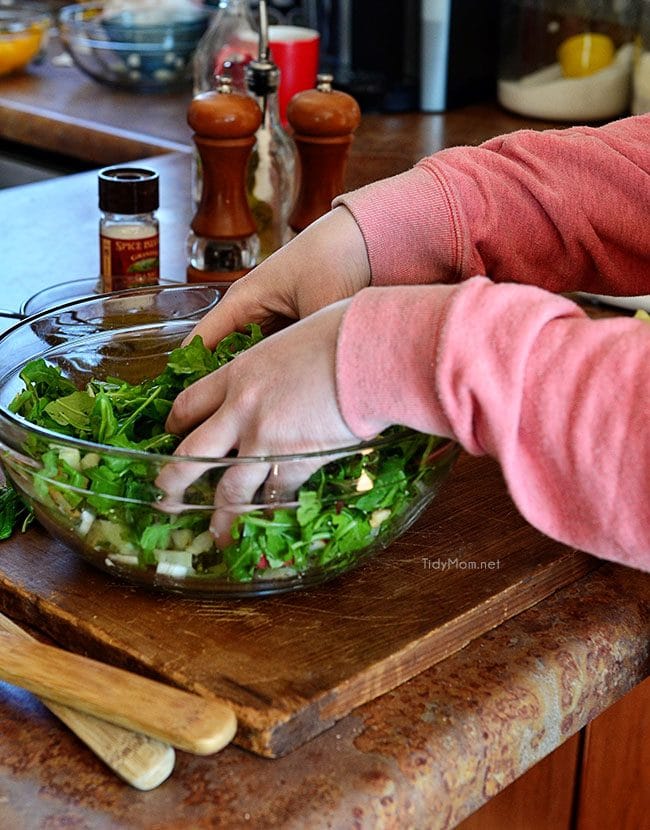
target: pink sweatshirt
512 370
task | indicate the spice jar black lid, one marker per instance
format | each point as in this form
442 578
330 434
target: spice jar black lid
128 190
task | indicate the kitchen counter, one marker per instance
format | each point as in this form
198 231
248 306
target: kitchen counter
56 108
425 755
428 753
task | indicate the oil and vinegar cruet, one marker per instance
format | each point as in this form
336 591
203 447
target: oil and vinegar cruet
272 167
227 45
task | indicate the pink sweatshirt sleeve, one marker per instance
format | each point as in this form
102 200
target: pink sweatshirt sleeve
513 371
561 401
566 210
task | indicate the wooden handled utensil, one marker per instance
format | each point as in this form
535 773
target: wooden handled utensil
182 719
142 762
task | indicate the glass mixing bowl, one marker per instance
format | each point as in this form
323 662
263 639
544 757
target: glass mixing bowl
102 501
61 292
144 50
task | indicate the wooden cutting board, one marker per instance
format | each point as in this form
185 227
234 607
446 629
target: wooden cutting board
292 665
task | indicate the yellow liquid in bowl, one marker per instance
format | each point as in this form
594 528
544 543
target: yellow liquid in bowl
18 49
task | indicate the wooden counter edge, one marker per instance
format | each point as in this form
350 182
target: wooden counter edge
82 139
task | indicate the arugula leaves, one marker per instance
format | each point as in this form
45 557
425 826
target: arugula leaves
109 500
115 412
334 519
13 511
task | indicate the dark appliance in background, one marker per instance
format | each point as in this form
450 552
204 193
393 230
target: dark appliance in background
430 55
373 50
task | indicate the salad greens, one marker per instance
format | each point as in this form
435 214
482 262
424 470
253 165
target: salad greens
109 500
13 512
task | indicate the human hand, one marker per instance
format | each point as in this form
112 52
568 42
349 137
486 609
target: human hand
277 398
325 263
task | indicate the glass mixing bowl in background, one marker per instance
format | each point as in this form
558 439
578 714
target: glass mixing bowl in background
102 500
145 50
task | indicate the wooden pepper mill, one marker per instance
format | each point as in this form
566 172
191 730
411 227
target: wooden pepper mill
223 243
323 121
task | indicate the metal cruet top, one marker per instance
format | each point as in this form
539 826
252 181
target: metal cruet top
262 77
262 74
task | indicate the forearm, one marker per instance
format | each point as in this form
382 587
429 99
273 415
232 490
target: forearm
559 400
562 209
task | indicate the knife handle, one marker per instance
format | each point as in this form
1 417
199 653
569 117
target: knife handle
184 720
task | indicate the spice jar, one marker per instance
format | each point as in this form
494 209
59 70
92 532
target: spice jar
567 60
128 228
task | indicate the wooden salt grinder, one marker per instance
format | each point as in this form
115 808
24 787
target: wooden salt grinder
323 121
224 124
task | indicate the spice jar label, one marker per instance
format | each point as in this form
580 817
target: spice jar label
128 263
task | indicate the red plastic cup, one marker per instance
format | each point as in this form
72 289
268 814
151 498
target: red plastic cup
296 52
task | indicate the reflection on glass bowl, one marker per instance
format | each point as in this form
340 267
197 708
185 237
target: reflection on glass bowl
641 301
101 499
61 292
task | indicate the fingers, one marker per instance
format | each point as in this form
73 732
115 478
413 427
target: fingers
279 399
234 495
174 479
235 310
259 297
212 439
327 262
285 479
196 404
237 490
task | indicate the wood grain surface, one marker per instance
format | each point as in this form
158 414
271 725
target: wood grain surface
542 799
615 781
292 665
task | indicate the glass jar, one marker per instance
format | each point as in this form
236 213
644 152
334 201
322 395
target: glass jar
129 247
641 79
567 61
226 47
